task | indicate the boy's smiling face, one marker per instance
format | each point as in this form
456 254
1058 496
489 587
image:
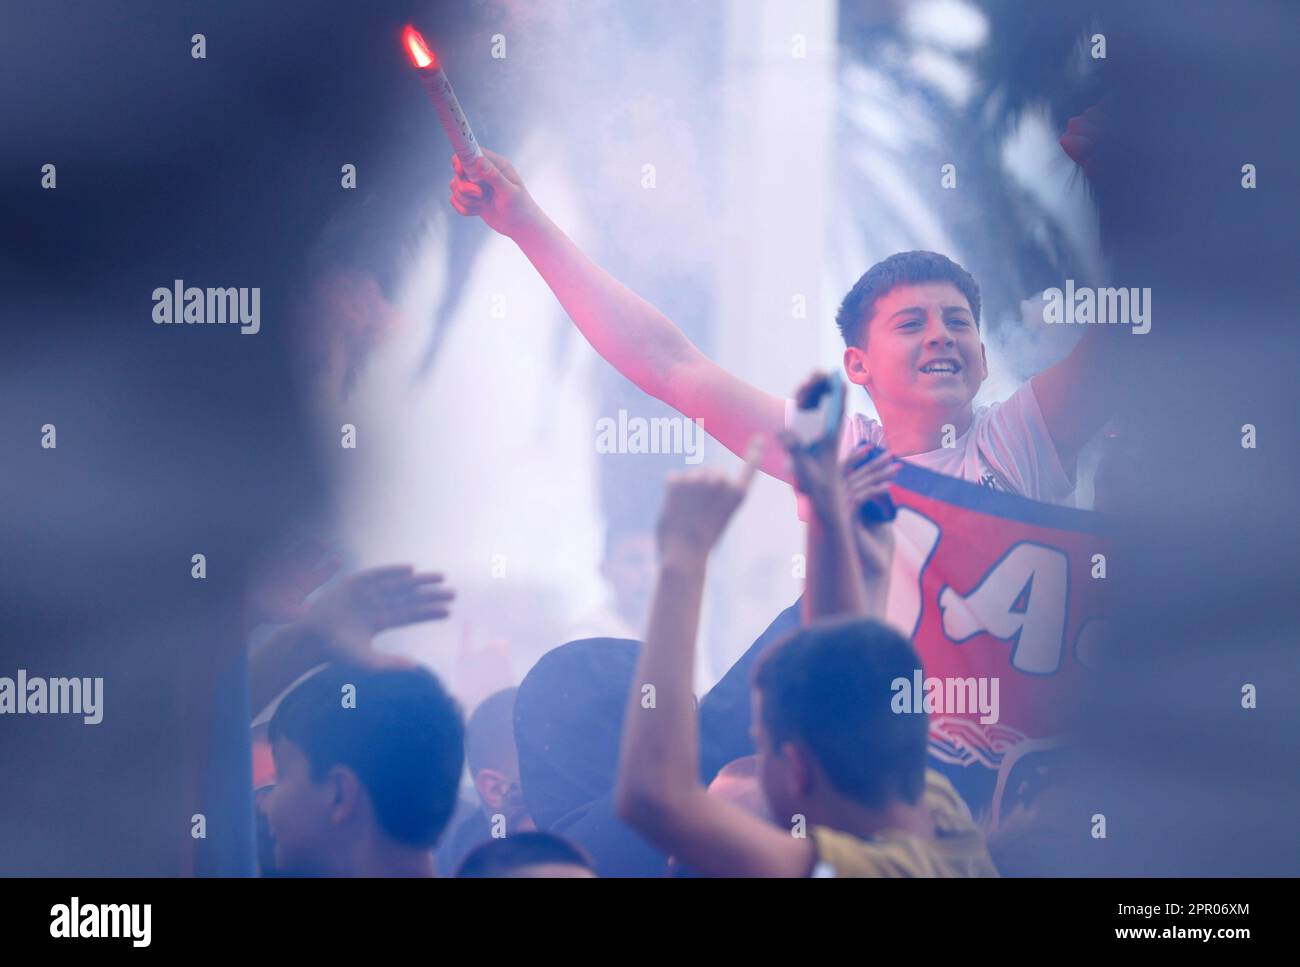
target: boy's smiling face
922 349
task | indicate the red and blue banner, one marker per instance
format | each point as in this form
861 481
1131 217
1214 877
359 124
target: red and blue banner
993 587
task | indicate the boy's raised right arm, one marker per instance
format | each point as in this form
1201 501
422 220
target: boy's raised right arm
632 335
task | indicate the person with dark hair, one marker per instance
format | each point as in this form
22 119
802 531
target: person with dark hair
902 268
527 856
843 773
911 328
491 755
824 691
494 769
568 717
367 765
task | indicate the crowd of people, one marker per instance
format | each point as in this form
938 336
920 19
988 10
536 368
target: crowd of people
602 761
591 766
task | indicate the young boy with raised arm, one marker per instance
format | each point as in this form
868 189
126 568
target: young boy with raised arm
911 330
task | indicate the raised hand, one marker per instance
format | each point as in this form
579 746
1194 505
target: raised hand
362 605
815 466
875 542
698 504
493 191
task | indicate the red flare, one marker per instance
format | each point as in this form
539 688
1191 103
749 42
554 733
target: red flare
421 55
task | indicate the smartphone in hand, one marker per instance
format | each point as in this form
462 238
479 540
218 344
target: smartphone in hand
819 412
879 509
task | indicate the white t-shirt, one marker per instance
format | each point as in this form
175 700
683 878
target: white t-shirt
1007 447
